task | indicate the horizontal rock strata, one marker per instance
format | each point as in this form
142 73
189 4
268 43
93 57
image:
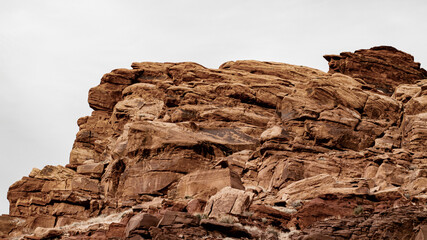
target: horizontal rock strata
255 150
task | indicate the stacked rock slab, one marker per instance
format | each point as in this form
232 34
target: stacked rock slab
383 67
252 149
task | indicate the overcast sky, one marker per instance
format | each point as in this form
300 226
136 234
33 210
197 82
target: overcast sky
53 51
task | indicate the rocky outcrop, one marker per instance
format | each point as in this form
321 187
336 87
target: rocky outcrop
253 149
383 67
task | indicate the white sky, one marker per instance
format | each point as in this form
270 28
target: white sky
53 51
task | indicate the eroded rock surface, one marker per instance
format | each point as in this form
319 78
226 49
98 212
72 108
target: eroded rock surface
257 150
384 67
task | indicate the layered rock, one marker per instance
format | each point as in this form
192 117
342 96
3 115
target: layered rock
384 67
252 149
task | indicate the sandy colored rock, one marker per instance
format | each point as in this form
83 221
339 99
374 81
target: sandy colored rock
204 184
310 188
7 224
228 201
149 183
93 169
46 233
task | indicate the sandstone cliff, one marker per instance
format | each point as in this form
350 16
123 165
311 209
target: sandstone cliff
255 150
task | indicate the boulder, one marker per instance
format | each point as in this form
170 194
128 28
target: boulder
141 221
195 206
228 201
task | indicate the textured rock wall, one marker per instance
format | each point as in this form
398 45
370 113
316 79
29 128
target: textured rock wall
178 150
383 67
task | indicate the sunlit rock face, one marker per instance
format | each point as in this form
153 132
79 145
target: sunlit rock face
252 149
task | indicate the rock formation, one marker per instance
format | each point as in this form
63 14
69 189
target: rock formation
255 150
383 67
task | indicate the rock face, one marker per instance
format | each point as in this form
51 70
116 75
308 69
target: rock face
384 67
253 149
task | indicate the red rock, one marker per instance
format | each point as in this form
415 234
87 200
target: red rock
116 231
383 66
319 209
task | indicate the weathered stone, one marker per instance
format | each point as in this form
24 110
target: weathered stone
196 206
149 183
65 220
85 184
414 132
7 224
116 231
391 173
394 223
310 188
43 221
171 218
261 211
384 67
80 155
66 209
105 96
228 229
228 200
422 233
55 173
141 220
275 132
92 169
46 233
204 184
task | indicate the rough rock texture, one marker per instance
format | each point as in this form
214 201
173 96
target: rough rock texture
384 67
255 150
